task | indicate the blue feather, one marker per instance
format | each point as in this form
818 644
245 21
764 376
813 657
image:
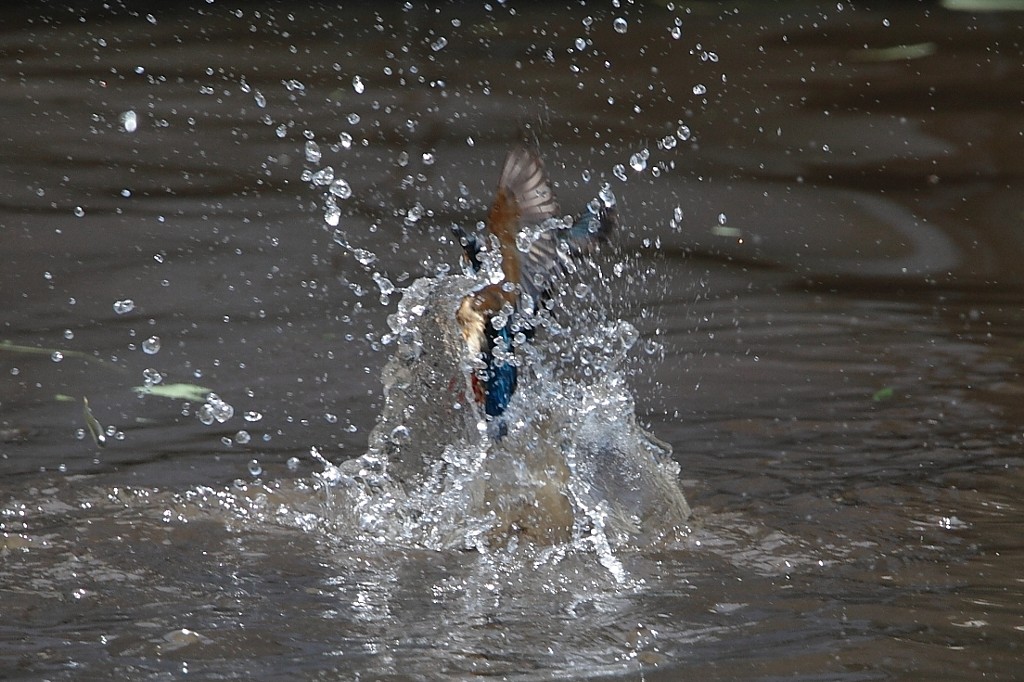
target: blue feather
500 382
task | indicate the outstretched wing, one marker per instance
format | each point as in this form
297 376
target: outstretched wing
555 249
524 198
524 178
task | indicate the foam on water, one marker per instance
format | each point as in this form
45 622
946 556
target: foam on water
574 468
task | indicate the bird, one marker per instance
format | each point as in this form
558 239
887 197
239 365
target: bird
491 318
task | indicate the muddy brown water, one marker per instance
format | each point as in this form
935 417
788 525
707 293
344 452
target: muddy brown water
834 314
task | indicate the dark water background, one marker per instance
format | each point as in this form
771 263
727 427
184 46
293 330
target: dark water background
833 331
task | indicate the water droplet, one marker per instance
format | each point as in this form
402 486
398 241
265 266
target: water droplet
151 377
581 44
129 121
668 142
292 464
606 195
124 306
56 356
676 33
68 334
312 150
619 171
254 467
524 240
324 176
386 287
346 140
252 416
683 133
358 85
428 159
79 211
364 256
353 118
699 89
341 189
638 163
215 409
261 101
439 44
151 346
242 438
620 25
332 215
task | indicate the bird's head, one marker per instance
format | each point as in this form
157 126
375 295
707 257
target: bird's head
475 313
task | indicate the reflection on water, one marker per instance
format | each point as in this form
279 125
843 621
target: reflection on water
820 245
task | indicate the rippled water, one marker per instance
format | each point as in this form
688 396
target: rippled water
820 246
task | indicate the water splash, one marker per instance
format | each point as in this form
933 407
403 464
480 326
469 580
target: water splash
573 470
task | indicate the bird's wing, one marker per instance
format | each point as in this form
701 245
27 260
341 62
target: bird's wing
524 198
556 247
524 178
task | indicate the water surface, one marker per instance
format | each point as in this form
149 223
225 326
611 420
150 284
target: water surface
824 243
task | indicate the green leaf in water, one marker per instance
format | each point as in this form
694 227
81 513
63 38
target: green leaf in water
93 424
9 347
883 394
984 5
896 53
189 392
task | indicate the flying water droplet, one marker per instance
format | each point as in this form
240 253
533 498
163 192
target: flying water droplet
254 467
215 409
700 89
364 256
341 189
124 306
620 25
151 346
313 153
324 176
129 121
619 171
386 287
638 162
358 85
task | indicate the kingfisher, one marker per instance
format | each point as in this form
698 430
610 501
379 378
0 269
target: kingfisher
491 316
